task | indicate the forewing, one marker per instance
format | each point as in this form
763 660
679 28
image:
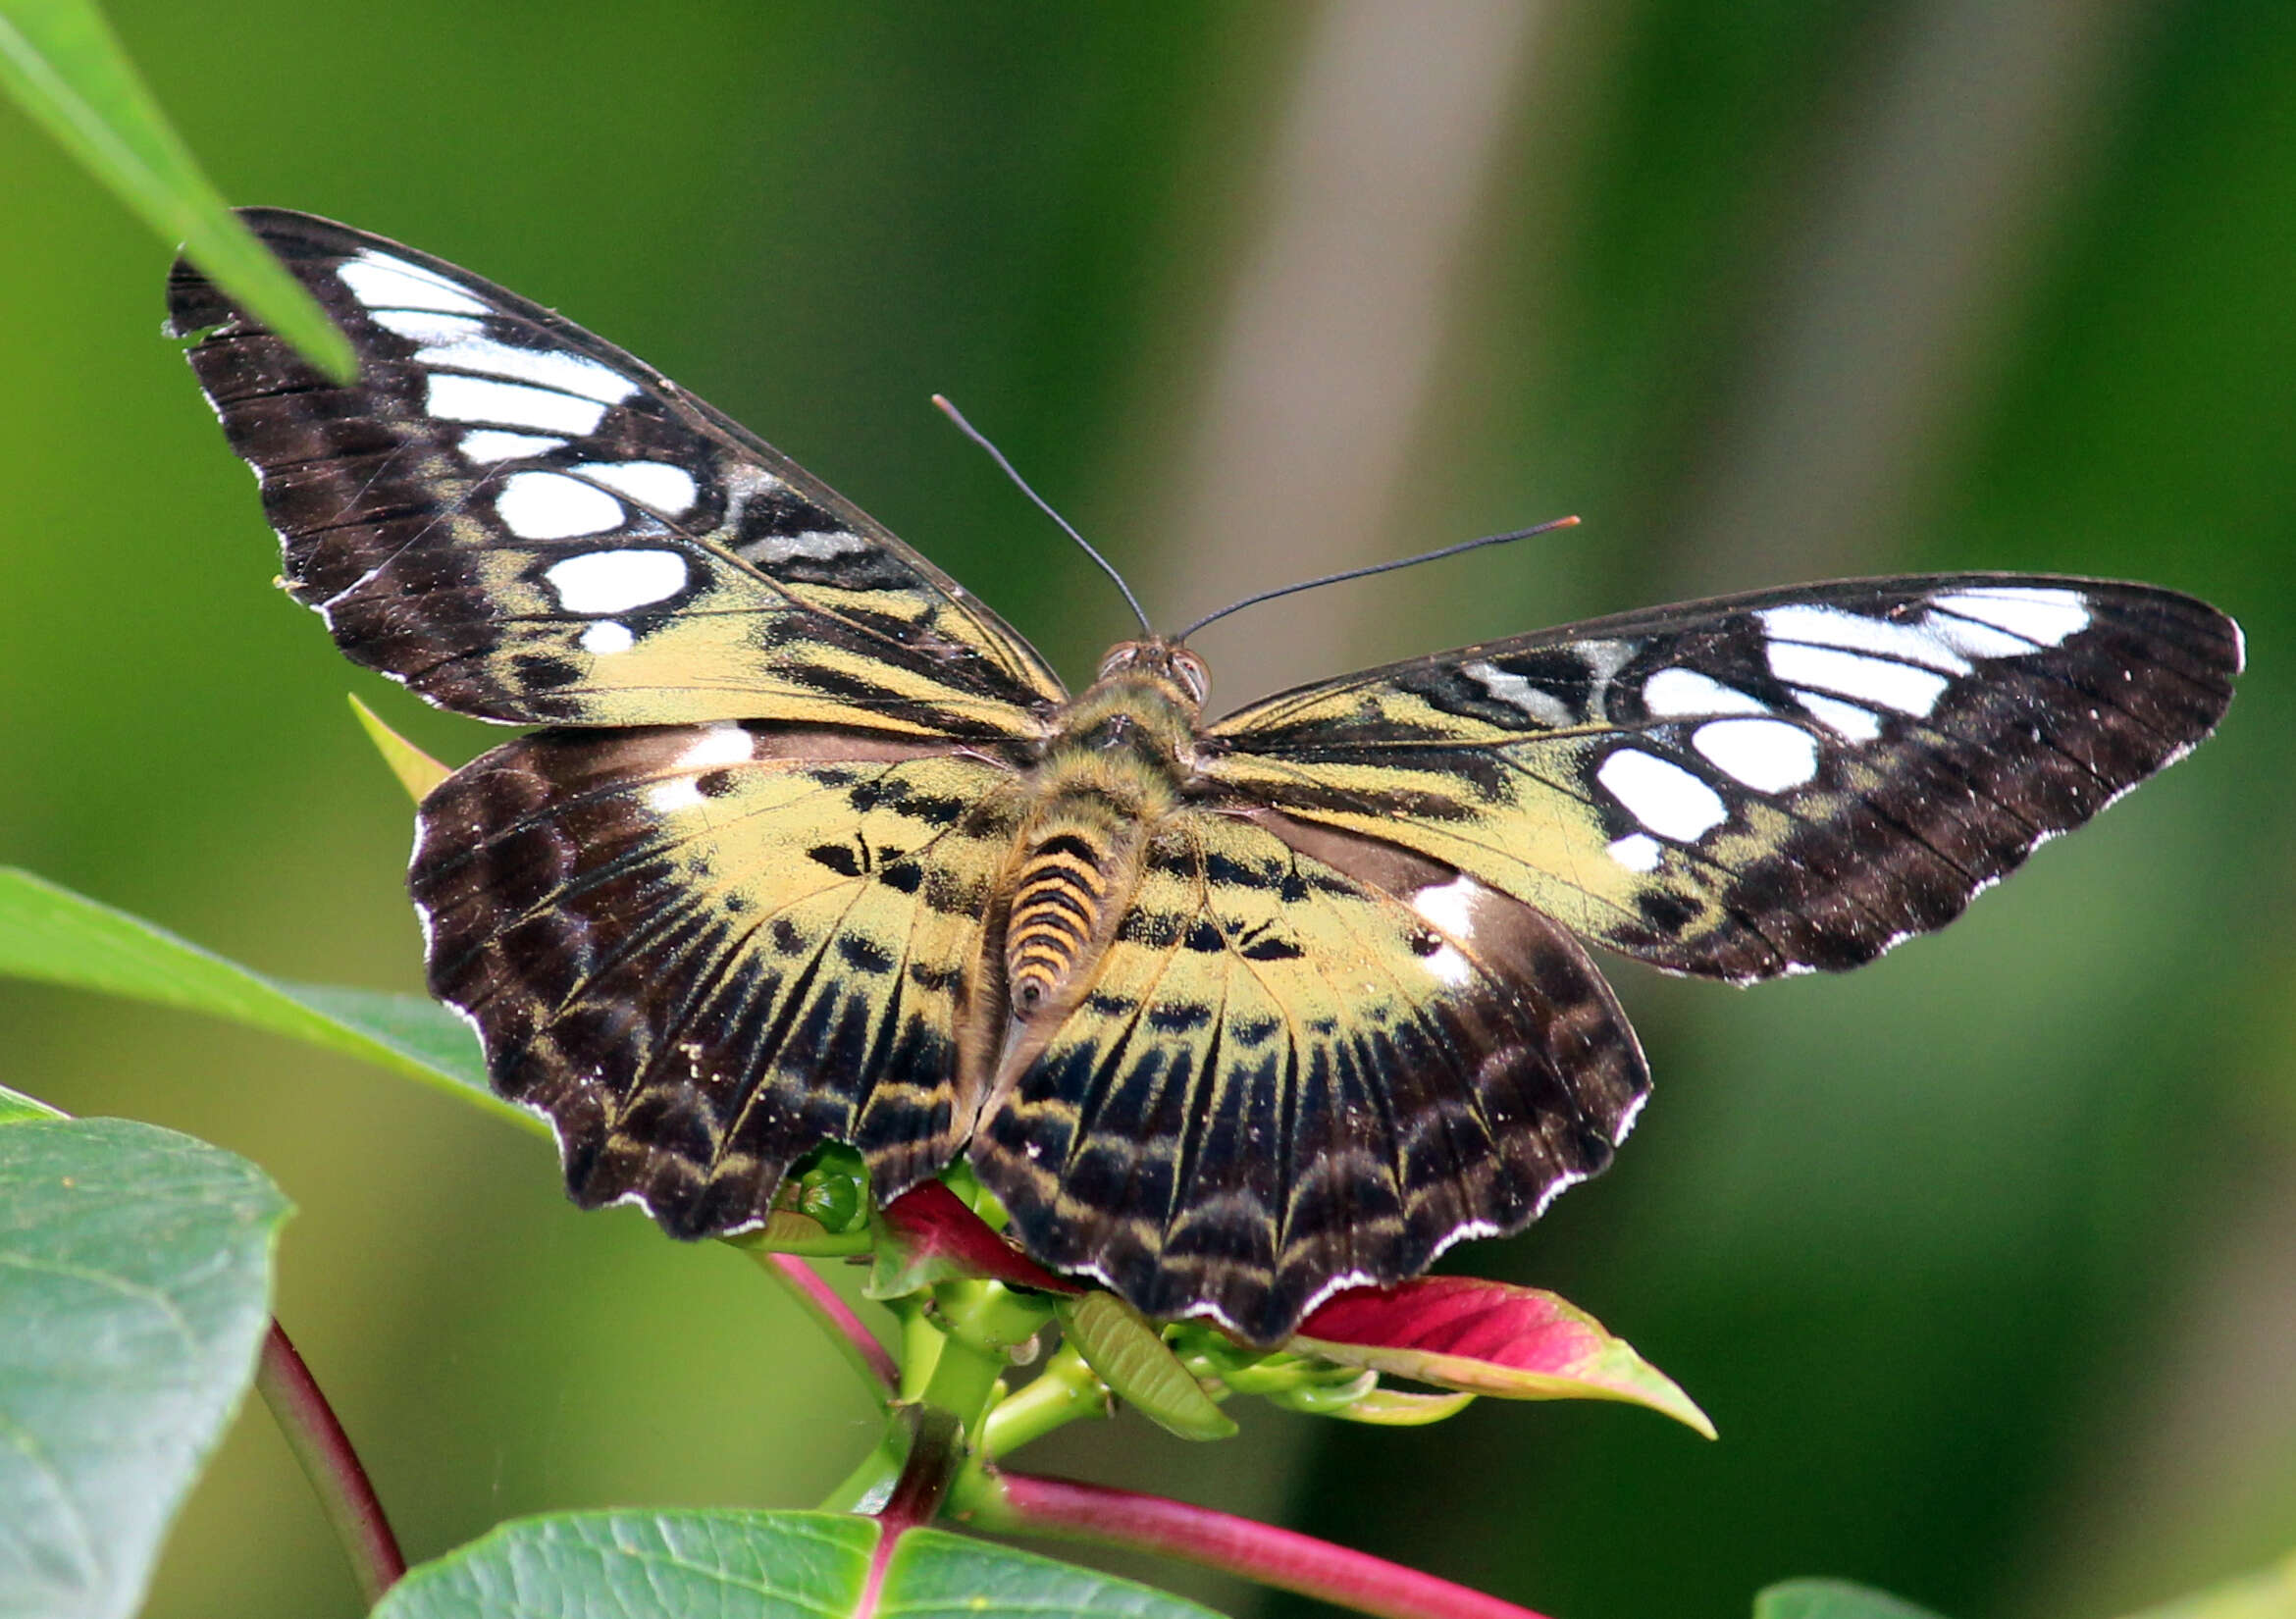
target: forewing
1763 783
702 957
1285 1081
525 524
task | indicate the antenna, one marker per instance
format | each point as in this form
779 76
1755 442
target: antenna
996 455
1377 567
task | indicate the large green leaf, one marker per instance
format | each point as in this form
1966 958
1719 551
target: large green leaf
61 62
134 1285
52 934
751 1565
1832 1600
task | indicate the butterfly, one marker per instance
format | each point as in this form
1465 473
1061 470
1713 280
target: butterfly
808 846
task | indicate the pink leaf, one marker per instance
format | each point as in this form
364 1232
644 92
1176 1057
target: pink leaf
1487 1337
930 1236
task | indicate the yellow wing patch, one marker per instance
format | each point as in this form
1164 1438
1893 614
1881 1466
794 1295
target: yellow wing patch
703 957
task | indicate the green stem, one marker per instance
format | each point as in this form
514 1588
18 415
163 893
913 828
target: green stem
984 1323
951 1359
1067 1390
963 1381
921 1345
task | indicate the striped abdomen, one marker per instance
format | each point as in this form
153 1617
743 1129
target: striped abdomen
1059 896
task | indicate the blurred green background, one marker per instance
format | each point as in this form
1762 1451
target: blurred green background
1984 1260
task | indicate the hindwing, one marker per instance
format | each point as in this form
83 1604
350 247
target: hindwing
1759 783
1285 1079
702 951
525 524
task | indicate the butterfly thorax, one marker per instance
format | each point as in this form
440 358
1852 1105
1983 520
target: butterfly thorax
1119 761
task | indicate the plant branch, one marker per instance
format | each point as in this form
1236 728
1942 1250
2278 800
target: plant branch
834 1315
936 1443
327 1460
921 1339
982 1323
1013 1503
1065 1391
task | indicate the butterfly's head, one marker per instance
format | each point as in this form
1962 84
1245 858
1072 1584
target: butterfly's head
1159 661
1144 708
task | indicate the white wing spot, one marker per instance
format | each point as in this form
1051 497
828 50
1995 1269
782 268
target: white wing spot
426 326
550 506
606 637
381 282
1450 906
1636 852
1767 755
2043 616
667 797
1805 622
1604 659
477 399
718 743
1844 720
721 741
1511 688
1876 680
485 446
815 544
1972 640
555 368
668 490
616 580
1450 968
1661 795
1671 693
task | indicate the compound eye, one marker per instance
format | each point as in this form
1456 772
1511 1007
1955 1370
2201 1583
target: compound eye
1193 676
1121 657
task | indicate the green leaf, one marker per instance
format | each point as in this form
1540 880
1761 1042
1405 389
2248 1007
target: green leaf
417 771
135 1285
16 1106
933 1574
2269 1594
61 62
751 1565
1401 1408
1131 1356
59 937
1832 1600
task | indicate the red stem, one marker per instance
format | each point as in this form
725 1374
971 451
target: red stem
823 1303
325 1450
935 1449
1272 1556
